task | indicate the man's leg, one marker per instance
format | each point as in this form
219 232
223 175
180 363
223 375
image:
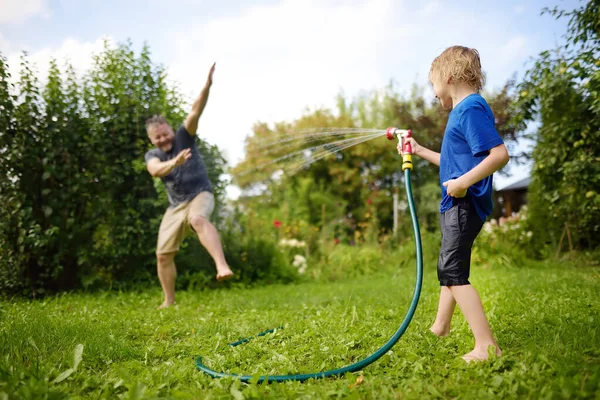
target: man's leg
201 208
470 304
209 237
167 273
170 235
441 326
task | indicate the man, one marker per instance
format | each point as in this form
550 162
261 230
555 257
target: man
178 162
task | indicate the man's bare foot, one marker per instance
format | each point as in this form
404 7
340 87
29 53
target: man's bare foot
166 304
224 273
440 331
479 354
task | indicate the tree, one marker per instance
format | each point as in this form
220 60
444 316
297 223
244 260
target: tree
362 178
561 92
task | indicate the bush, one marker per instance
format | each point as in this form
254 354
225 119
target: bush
342 261
507 241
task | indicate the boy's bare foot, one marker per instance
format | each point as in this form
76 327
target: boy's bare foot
224 273
440 331
480 354
166 304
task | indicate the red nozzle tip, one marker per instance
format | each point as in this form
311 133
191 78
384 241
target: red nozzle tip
389 133
409 133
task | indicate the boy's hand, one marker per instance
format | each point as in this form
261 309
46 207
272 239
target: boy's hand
455 188
413 144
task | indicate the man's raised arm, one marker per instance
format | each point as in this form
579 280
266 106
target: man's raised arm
191 122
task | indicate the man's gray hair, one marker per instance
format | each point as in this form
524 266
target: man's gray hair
156 120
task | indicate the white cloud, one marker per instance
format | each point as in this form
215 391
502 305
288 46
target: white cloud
5 46
519 8
515 47
16 11
432 7
274 61
513 53
78 54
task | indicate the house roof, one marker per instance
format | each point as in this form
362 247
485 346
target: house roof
520 184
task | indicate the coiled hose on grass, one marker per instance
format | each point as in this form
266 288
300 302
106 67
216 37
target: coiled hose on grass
370 359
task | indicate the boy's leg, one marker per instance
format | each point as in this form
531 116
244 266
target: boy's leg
199 219
470 304
460 226
441 326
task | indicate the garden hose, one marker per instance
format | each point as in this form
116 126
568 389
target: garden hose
357 366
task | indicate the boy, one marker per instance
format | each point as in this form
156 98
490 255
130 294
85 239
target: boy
472 150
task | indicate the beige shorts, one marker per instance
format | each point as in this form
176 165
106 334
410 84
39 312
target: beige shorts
175 224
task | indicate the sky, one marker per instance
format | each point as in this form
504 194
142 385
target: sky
277 58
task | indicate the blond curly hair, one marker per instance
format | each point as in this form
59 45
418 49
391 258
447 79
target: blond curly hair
460 63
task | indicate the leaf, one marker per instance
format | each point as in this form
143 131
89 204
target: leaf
254 380
236 393
497 380
32 343
77 356
137 391
64 375
359 380
434 391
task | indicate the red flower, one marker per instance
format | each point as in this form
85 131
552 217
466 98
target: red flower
277 224
336 240
369 201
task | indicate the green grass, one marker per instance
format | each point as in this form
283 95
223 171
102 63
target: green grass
545 316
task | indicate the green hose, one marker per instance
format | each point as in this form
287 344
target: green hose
373 357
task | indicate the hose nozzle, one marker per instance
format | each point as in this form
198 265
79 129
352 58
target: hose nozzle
407 150
392 132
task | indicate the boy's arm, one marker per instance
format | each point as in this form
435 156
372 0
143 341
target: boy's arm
421 151
497 159
428 155
191 122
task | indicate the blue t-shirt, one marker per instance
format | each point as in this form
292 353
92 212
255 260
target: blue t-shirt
469 136
188 180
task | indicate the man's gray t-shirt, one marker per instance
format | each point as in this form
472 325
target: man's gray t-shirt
188 180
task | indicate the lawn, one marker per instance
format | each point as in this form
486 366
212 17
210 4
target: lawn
545 316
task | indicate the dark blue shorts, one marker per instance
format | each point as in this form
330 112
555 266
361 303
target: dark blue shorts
460 226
